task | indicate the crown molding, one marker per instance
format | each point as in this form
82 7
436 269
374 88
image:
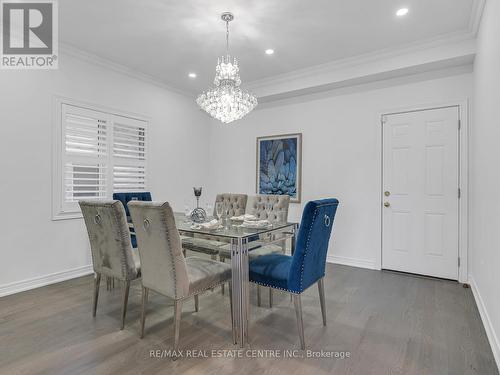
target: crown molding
476 16
363 59
426 72
91 58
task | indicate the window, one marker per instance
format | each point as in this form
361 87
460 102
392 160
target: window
99 153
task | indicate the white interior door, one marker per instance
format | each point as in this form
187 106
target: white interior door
420 192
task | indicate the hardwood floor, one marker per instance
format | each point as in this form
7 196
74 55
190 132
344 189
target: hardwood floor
389 323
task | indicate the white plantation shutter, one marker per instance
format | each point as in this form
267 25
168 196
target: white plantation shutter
85 150
129 154
129 139
84 181
129 178
101 153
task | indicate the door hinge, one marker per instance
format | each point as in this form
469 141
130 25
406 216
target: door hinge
459 124
459 193
458 262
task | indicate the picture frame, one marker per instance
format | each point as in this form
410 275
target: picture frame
279 165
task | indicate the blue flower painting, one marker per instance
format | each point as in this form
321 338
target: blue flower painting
278 165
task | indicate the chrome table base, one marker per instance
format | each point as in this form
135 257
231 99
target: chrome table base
240 290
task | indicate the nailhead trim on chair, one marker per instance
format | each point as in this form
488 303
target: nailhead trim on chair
124 238
206 288
307 248
164 221
197 292
276 287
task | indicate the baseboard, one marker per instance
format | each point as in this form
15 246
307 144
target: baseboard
37 282
353 262
490 332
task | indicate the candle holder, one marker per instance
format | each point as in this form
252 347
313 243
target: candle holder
198 215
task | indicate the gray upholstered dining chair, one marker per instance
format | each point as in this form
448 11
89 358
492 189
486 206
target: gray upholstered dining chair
236 204
279 212
165 270
112 252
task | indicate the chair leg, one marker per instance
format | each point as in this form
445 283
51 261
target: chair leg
258 296
97 283
177 322
223 260
232 316
145 293
300 323
270 297
126 288
321 290
196 302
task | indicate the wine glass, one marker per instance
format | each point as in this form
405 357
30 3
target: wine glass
260 207
227 208
219 208
187 212
209 208
269 208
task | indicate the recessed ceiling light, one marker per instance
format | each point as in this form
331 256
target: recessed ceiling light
402 12
269 51
192 75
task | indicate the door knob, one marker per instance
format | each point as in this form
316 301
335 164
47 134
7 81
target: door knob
387 193
387 204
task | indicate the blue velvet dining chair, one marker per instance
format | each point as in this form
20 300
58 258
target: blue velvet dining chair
132 196
296 273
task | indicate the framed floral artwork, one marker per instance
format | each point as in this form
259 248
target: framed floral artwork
279 161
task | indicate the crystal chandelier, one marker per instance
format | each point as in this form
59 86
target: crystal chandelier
227 102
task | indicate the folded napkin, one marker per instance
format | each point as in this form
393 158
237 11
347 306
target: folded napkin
255 224
245 217
213 224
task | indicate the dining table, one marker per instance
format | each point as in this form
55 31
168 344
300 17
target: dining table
242 240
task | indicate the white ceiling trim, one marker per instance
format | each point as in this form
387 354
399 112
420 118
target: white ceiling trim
118 68
367 65
433 70
396 78
360 60
477 14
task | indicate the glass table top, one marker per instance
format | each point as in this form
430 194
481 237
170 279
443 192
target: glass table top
234 230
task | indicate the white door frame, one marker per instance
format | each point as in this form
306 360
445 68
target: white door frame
463 139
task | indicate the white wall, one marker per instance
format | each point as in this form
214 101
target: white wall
33 245
341 153
484 242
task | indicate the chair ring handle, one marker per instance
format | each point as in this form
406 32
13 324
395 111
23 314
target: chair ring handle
97 219
327 220
146 224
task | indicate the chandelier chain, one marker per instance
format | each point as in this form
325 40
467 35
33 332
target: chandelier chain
227 37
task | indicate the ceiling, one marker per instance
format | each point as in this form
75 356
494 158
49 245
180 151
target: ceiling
167 39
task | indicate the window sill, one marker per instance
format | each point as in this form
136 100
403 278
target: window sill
66 216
